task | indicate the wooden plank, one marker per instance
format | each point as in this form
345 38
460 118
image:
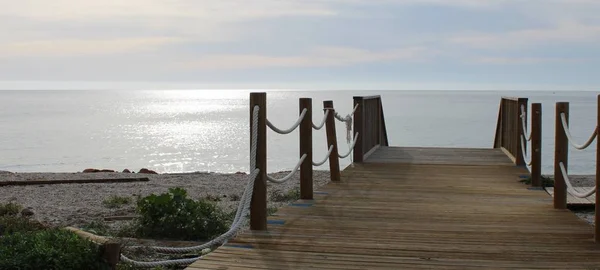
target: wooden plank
572 200
446 156
419 216
72 181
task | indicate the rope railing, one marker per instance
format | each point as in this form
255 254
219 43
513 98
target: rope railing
246 205
523 118
528 160
320 126
351 147
562 183
290 175
239 219
570 137
326 157
289 130
570 188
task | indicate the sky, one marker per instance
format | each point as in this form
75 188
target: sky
301 44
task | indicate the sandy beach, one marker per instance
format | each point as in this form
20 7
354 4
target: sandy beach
78 204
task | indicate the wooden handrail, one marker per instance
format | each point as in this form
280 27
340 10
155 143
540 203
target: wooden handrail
334 162
370 126
509 128
306 145
258 205
536 144
561 155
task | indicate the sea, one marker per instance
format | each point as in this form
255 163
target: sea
176 131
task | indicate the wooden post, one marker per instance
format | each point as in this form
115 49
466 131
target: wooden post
536 144
334 161
520 159
597 208
258 205
358 128
306 169
111 251
561 154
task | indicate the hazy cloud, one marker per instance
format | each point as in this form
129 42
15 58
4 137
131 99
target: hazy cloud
319 57
383 39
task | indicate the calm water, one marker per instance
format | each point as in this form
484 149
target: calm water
185 131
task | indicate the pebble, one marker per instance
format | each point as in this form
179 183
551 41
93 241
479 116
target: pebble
77 204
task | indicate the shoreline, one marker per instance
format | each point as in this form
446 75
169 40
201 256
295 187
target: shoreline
78 204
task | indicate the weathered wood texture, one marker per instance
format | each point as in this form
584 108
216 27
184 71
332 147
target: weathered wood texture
576 201
433 155
369 123
418 216
509 128
72 181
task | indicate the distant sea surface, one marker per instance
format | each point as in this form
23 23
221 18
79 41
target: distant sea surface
207 130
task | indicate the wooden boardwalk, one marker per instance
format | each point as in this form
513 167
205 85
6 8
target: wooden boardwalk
419 208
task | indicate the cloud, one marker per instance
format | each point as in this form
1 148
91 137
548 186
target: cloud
525 60
203 10
74 47
319 57
570 32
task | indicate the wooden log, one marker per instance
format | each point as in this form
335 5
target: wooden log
306 169
111 249
72 181
536 144
561 154
334 161
258 206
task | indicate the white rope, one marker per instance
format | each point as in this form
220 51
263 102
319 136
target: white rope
317 127
351 147
325 159
289 130
524 152
240 217
523 118
568 133
570 188
289 176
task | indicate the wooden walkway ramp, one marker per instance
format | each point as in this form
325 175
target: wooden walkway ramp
419 208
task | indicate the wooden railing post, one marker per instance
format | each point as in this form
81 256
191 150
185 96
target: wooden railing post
561 154
520 159
258 205
306 169
597 207
334 161
359 128
536 144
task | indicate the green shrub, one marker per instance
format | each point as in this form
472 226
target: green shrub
14 224
116 201
271 210
172 215
49 249
546 181
291 195
10 209
235 197
97 227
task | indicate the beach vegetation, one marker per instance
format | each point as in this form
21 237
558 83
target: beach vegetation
49 249
172 215
546 181
115 201
291 195
10 209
